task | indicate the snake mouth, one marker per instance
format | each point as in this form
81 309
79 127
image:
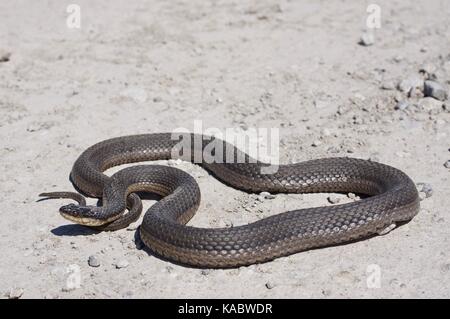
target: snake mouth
85 215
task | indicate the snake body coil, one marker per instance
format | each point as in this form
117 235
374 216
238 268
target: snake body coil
392 198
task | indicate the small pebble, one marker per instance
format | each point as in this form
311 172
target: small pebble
435 90
388 85
352 196
412 82
93 261
422 196
4 56
425 188
132 227
205 272
447 164
398 59
367 39
333 199
157 99
226 223
428 68
398 97
326 132
316 143
122 264
15 293
270 285
429 104
267 195
402 105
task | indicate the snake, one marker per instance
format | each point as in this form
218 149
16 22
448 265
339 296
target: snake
388 198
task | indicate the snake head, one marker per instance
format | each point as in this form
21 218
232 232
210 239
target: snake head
84 215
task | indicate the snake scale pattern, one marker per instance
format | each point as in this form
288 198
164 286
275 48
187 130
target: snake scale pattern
391 197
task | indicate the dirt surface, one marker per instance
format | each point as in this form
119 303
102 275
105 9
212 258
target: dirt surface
139 66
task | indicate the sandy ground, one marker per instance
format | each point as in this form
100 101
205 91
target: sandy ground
153 66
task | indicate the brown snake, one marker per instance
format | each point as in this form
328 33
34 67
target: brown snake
392 198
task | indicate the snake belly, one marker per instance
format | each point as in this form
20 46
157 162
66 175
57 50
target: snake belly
391 198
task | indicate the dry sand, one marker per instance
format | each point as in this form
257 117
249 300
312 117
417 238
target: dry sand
153 66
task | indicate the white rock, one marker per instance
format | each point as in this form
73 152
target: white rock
402 105
367 38
122 264
411 82
425 188
428 68
93 261
447 164
398 59
267 195
428 104
388 85
270 285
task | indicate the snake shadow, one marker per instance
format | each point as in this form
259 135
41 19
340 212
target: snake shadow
73 230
